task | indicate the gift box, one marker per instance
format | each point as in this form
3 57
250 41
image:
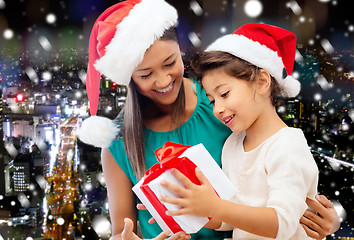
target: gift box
185 159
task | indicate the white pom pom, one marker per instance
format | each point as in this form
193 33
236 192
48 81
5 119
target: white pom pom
291 86
97 131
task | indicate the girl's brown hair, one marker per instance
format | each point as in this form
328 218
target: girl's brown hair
235 67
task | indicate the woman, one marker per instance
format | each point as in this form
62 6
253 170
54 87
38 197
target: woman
134 43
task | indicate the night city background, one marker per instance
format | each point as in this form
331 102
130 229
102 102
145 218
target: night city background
51 184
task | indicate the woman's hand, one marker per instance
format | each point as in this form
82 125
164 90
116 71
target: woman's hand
325 222
142 207
128 233
196 200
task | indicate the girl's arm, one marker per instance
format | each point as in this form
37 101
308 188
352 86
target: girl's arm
201 200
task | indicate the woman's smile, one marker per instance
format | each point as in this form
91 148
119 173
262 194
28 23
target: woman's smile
166 90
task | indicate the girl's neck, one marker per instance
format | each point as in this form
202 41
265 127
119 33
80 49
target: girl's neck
264 127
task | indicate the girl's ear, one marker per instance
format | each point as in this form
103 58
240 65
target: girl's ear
263 82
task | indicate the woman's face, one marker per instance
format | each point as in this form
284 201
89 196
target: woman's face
159 75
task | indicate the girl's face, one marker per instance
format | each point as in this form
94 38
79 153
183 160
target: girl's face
234 100
159 75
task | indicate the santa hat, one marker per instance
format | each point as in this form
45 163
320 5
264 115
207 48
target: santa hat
265 46
119 39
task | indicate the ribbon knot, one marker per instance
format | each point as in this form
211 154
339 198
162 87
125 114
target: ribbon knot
168 158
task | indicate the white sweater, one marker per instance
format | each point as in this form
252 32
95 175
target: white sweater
280 173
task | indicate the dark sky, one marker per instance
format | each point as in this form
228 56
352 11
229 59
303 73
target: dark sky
322 18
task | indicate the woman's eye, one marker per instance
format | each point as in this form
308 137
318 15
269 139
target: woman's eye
146 76
225 94
171 64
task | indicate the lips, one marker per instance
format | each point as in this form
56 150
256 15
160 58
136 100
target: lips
166 90
228 120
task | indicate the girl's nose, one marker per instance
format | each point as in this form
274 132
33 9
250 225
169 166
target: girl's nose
218 109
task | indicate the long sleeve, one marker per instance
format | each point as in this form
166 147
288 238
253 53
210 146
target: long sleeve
280 173
292 176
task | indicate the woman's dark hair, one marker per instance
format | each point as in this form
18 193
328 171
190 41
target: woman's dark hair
233 66
133 118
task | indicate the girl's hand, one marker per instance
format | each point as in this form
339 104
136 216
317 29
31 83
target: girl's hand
325 222
128 233
196 200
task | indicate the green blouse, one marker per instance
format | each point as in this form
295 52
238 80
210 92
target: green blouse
201 127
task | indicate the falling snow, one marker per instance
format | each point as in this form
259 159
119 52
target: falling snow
48 50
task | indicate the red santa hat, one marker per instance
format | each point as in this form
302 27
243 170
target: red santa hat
265 46
119 39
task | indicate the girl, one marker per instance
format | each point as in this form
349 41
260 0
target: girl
269 163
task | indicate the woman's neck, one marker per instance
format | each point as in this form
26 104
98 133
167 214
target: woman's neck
160 117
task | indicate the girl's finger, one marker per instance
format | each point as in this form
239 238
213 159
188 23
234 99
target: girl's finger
202 179
182 211
174 188
182 178
175 201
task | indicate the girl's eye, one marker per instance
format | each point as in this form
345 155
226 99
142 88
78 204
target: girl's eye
225 94
212 102
171 64
146 76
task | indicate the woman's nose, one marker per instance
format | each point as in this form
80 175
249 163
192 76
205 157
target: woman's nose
163 80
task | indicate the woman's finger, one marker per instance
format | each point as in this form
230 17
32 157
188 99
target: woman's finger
310 232
313 217
152 220
324 201
128 233
141 206
318 207
306 220
179 236
163 235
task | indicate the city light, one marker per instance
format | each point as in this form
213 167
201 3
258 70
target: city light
53 187
19 97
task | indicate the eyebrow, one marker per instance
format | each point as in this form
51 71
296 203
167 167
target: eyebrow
144 69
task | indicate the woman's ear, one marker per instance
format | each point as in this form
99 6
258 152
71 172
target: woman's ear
263 82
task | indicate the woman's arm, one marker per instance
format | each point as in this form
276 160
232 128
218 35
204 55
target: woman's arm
325 222
120 196
122 204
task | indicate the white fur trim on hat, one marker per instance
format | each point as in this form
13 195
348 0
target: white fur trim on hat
97 131
251 51
290 86
145 23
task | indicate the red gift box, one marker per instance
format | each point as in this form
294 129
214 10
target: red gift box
169 156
